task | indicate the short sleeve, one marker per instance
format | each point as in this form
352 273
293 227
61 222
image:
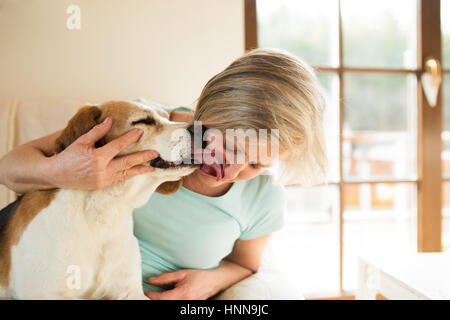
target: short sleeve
268 215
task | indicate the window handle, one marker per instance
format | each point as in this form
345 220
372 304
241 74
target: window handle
431 80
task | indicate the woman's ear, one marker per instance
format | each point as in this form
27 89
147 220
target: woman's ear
83 121
169 187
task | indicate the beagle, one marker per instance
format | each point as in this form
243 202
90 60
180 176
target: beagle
78 244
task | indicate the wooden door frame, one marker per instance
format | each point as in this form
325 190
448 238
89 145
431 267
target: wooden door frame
429 188
250 25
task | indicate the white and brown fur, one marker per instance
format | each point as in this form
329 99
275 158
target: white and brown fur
51 231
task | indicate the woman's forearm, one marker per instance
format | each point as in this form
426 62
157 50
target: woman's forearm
229 273
242 262
25 168
28 166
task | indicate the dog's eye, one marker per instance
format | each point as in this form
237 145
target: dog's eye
149 120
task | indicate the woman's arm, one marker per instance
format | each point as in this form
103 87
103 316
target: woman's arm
248 253
242 262
24 168
33 165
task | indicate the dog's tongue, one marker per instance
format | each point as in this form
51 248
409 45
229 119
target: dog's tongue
212 169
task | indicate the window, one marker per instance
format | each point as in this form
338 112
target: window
368 55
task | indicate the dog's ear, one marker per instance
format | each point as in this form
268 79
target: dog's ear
169 187
83 121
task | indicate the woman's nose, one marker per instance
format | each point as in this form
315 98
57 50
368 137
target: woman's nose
232 170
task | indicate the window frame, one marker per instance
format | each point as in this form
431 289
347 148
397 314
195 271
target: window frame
429 180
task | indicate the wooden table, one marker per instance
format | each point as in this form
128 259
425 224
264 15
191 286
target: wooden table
405 277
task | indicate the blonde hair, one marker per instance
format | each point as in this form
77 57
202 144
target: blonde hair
272 89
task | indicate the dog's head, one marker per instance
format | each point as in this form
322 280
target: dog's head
170 139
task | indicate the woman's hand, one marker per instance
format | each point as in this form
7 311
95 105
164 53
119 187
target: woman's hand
190 284
82 166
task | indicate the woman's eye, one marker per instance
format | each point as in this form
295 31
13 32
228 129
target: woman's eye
149 121
230 150
254 165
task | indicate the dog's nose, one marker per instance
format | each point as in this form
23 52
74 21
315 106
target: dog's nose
198 129
192 130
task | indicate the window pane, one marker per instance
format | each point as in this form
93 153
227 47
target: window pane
307 248
308 29
379 219
446 217
379 33
446 131
330 83
379 126
445 23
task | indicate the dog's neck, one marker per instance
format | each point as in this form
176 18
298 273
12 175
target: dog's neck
112 204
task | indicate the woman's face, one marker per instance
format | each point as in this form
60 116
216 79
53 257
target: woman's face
243 162
238 170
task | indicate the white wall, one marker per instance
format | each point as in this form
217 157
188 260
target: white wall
164 50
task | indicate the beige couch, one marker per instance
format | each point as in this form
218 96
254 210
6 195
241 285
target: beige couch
22 121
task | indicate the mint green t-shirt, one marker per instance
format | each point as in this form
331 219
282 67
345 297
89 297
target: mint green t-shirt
187 230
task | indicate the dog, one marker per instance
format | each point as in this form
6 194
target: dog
78 244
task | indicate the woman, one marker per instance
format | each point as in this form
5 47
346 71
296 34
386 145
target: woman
212 232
